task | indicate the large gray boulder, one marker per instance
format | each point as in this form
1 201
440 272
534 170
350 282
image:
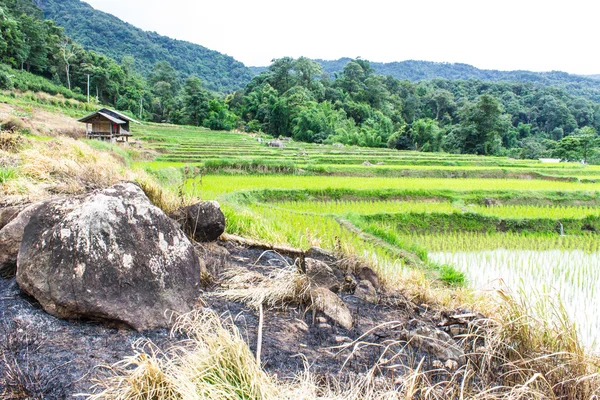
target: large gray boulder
9 213
204 221
110 255
10 240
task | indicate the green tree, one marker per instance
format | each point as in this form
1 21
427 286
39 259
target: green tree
426 135
482 126
196 101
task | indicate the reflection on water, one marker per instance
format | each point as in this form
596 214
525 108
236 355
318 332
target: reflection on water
573 275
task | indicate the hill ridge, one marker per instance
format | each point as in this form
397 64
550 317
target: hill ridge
116 38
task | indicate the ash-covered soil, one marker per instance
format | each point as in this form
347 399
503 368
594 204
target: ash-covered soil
51 358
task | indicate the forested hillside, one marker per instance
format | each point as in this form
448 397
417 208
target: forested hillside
359 107
106 34
424 70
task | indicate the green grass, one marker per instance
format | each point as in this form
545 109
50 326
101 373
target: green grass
214 186
525 211
7 173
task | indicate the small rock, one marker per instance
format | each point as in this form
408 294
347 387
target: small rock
321 320
324 326
342 339
451 365
320 254
321 274
327 302
368 274
437 364
366 292
276 143
204 221
435 342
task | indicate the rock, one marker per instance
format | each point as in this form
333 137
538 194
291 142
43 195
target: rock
10 240
204 221
491 202
320 254
342 339
368 274
367 164
321 274
365 291
276 143
435 342
327 302
109 255
7 214
451 365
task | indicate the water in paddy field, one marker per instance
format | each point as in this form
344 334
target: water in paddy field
573 276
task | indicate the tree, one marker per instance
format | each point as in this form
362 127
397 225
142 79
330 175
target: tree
196 101
426 135
307 70
281 74
68 52
587 141
483 126
165 86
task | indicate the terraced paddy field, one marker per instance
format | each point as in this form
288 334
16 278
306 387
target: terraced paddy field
459 220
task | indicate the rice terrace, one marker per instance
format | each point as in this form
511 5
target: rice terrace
538 238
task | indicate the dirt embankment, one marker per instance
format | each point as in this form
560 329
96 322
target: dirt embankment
52 358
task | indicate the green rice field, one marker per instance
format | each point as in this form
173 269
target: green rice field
461 219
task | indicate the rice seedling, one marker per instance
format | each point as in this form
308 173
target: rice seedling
525 211
572 276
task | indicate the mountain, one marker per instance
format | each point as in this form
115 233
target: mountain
586 86
104 33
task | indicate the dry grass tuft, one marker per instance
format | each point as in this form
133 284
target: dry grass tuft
214 363
283 287
12 142
164 199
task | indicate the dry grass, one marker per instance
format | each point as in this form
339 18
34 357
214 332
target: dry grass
284 286
214 363
11 142
62 166
35 120
65 166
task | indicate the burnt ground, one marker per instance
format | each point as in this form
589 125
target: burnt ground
44 357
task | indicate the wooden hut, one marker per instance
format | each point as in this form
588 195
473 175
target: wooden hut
107 124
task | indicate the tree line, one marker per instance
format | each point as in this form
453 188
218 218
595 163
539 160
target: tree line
294 97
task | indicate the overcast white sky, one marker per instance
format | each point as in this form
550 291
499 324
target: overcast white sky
505 35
